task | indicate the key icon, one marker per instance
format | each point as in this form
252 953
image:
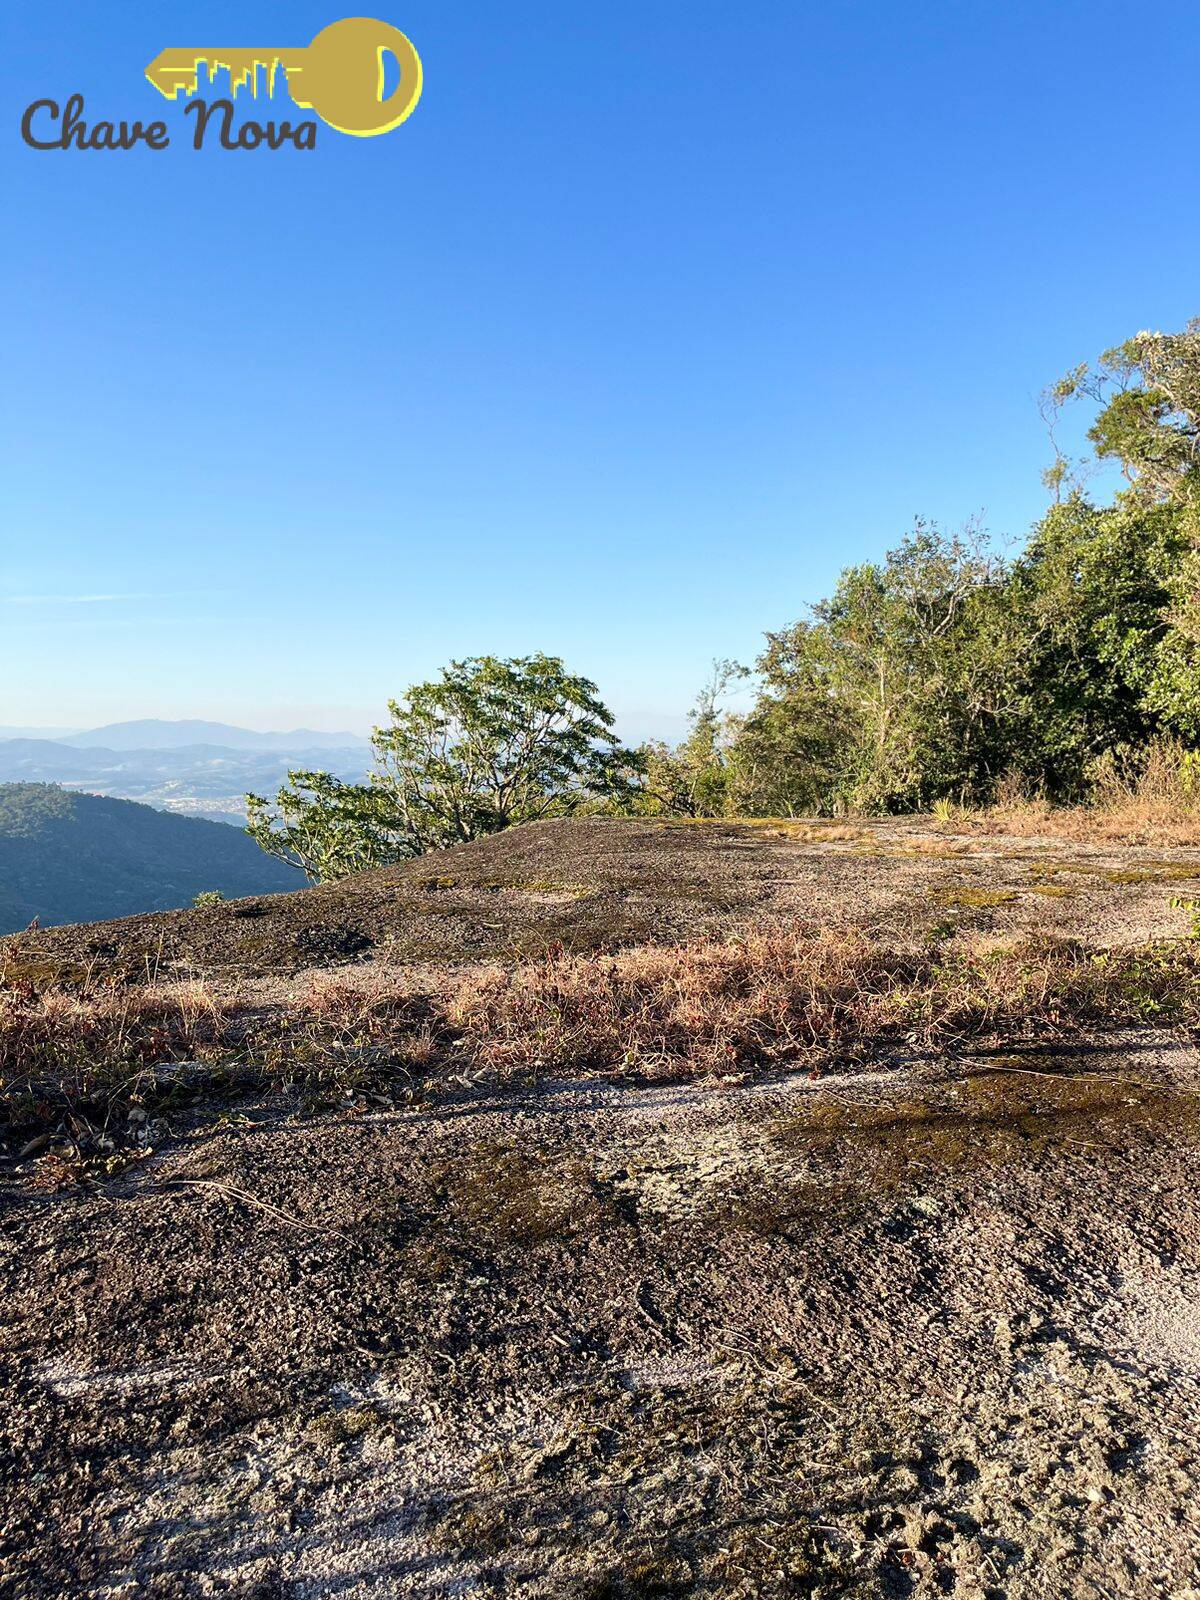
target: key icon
340 75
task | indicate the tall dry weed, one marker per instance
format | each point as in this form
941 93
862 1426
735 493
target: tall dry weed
714 1006
1148 795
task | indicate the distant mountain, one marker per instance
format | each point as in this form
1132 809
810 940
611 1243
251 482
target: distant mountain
198 780
191 780
43 761
151 734
83 858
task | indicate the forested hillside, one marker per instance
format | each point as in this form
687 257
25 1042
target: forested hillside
81 857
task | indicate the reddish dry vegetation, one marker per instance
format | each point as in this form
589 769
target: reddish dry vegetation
1158 805
778 998
758 1002
1135 823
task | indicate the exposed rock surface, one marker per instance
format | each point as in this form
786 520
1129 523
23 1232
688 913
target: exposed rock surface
933 1328
595 884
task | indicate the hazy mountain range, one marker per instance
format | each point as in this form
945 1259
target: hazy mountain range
191 768
151 734
204 769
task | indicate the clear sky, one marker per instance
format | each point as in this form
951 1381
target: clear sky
652 317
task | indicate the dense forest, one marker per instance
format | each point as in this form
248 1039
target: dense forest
945 674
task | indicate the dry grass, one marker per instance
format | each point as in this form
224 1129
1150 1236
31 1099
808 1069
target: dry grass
773 999
87 1052
76 1061
1154 800
65 1047
1132 822
816 832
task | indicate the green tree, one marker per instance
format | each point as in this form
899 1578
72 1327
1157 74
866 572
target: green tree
1101 663
894 692
1147 392
1147 395
491 743
486 744
328 828
693 778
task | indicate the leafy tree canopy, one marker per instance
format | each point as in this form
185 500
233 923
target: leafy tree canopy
892 691
487 744
328 828
1147 392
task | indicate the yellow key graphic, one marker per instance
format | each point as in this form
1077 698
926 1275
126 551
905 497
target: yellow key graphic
339 75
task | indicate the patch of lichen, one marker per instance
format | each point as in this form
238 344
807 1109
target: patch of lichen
343 1425
503 1196
42 972
809 830
1165 872
1150 871
932 849
965 897
983 1119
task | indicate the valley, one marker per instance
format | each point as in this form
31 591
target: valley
191 769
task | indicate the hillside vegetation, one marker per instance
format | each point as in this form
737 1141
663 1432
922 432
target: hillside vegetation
80 857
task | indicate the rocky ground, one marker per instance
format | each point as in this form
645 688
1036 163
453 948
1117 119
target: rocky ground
929 1328
598 884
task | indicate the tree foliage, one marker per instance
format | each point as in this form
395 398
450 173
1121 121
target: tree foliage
329 828
893 691
1101 663
930 674
487 744
1147 394
491 743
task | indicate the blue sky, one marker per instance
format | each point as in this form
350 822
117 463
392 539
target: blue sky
651 318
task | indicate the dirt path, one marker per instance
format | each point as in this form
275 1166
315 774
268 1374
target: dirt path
934 1330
